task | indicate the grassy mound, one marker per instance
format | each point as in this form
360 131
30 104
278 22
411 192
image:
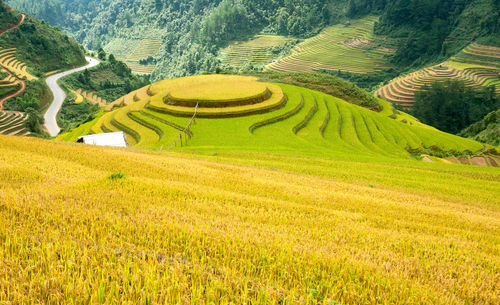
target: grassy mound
294 120
348 48
476 65
95 225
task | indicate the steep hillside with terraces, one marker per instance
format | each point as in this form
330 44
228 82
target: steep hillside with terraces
30 50
351 48
195 114
476 65
13 84
257 52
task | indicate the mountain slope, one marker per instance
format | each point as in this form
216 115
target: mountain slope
190 31
487 130
477 65
29 49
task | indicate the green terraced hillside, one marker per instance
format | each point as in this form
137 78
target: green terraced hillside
132 51
476 65
351 48
257 52
268 117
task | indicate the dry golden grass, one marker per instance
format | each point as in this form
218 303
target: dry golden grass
242 229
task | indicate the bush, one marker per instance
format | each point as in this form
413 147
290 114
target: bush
116 176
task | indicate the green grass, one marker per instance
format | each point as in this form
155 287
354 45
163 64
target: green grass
353 49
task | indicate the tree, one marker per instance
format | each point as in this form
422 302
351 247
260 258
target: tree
101 54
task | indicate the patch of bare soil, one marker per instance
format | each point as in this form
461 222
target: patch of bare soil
479 161
358 43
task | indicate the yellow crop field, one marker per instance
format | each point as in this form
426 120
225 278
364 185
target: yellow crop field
9 61
79 98
242 228
215 87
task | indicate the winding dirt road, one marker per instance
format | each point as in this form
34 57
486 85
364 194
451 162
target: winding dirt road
22 87
20 81
14 26
59 96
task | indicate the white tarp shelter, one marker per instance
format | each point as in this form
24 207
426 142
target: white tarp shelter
115 139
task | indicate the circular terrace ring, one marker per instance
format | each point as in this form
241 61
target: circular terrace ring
172 99
217 96
217 91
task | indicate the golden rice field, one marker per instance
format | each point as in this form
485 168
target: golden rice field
90 96
477 65
8 61
242 228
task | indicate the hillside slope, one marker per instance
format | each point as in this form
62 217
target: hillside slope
351 48
42 47
242 228
183 37
487 130
190 32
477 65
29 49
290 120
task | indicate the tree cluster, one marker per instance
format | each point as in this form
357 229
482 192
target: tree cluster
451 106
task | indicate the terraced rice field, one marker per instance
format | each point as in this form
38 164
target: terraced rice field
132 51
8 61
476 65
145 48
13 123
352 49
246 227
140 69
291 120
90 96
256 51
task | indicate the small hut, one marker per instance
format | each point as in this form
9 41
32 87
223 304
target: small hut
113 139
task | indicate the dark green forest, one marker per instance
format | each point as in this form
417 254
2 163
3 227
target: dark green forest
451 106
193 30
431 31
487 130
